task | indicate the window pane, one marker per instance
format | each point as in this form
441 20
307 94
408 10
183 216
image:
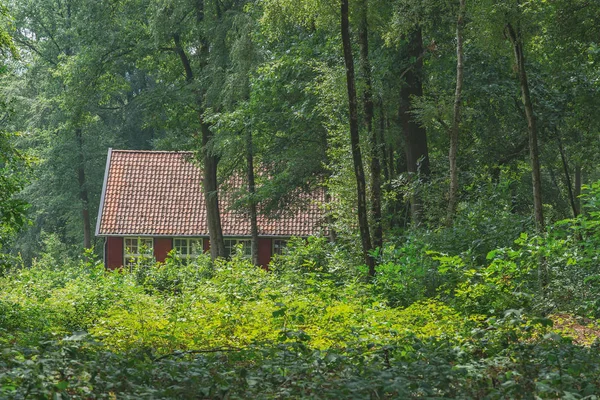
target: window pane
246 247
148 243
177 244
131 246
229 244
279 246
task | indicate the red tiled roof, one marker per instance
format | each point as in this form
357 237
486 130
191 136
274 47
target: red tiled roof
160 193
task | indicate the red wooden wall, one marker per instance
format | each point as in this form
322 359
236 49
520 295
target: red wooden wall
162 247
265 247
114 252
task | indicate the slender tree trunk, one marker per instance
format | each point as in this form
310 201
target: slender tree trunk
567 178
210 161
454 132
517 43
211 196
81 180
252 194
355 142
577 190
329 217
383 146
415 136
365 67
83 192
392 161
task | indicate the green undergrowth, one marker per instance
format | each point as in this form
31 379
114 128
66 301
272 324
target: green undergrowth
516 322
176 307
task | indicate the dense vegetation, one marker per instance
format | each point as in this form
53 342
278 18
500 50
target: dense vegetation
429 325
457 143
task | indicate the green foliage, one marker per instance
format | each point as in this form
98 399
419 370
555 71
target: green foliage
307 327
13 163
13 177
494 364
405 273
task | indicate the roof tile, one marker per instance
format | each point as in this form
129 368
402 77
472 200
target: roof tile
160 193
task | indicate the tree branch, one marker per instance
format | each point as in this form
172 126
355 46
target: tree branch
35 50
189 74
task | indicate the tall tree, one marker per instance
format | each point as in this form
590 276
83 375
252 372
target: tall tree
359 173
252 206
365 69
13 165
454 132
516 39
415 135
58 44
196 32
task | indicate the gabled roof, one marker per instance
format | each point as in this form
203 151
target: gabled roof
159 193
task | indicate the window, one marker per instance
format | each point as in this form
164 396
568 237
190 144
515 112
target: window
279 246
230 245
135 247
188 248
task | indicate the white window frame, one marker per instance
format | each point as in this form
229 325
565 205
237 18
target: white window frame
189 253
279 249
130 257
231 243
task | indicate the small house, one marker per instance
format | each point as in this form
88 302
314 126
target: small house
153 202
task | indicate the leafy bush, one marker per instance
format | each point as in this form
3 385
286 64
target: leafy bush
503 360
430 324
405 273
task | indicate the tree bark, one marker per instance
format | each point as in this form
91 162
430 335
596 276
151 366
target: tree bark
565 164
454 132
365 67
382 145
211 196
210 162
252 200
415 136
517 43
355 142
577 190
83 192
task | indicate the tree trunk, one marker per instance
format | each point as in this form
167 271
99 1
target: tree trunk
83 192
211 196
252 194
565 164
577 190
354 141
454 132
382 145
415 136
209 182
517 43
329 218
365 67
